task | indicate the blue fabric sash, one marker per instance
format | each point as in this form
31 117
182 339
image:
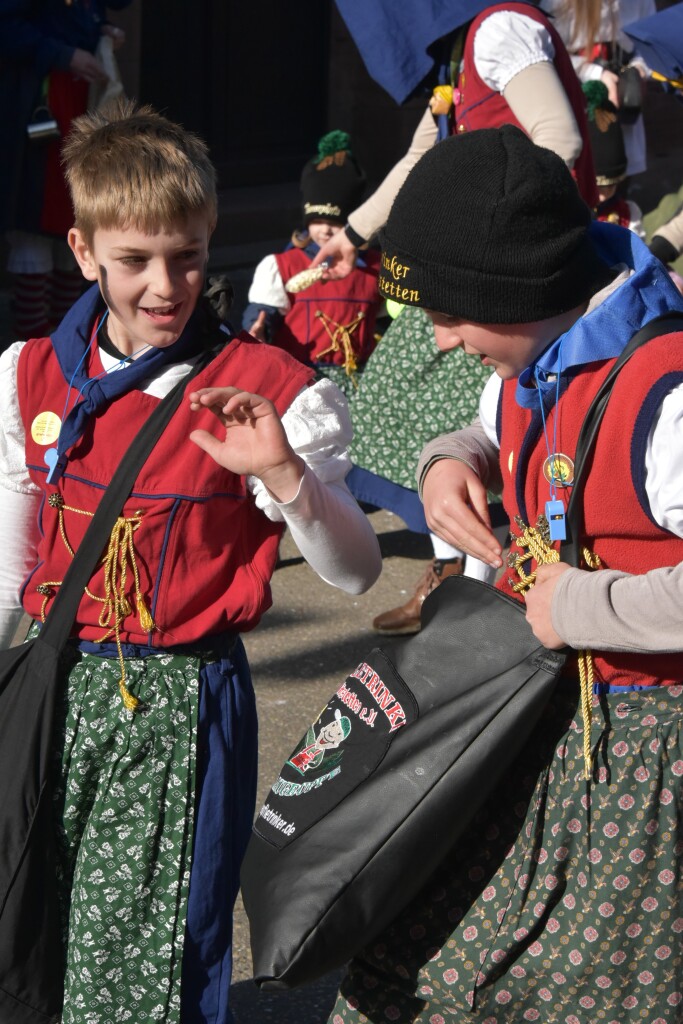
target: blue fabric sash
602 334
70 343
394 39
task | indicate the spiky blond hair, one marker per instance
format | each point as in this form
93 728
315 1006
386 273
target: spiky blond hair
128 166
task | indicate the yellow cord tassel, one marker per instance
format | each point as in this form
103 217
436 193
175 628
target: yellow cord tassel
341 341
534 542
119 557
586 681
121 554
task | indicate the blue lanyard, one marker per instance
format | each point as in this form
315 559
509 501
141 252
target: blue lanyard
554 507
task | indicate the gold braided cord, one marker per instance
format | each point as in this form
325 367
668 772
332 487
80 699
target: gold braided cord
340 338
586 679
586 682
118 559
57 501
534 542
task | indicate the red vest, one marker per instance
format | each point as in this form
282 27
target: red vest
204 552
618 525
304 332
478 106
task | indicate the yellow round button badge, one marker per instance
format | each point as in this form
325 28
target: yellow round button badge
45 427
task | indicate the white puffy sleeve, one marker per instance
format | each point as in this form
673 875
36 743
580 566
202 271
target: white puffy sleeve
507 43
329 528
267 287
20 499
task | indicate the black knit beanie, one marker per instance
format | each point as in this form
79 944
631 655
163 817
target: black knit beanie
491 228
332 183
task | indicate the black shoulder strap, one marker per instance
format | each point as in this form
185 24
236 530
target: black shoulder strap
57 627
666 324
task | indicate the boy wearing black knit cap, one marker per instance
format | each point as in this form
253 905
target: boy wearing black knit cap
327 324
539 911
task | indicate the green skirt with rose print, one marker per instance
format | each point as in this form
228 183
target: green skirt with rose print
124 802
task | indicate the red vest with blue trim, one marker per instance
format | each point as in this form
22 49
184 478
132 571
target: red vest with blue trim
478 106
318 311
204 552
618 524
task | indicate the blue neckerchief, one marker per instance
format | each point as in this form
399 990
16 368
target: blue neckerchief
312 250
602 334
71 340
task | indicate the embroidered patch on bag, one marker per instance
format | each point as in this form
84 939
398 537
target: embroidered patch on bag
341 748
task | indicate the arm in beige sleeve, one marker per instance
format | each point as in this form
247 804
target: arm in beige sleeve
469 445
372 215
613 611
537 98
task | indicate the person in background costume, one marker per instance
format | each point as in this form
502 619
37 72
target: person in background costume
48 64
609 159
593 33
155 744
541 909
509 66
328 325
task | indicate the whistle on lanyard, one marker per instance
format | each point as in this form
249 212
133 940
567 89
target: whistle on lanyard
555 514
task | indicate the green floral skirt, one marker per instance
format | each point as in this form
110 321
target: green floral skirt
563 901
124 801
409 393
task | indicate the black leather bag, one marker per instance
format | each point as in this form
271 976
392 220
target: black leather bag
31 959
398 763
346 838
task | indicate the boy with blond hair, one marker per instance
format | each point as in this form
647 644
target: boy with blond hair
154 785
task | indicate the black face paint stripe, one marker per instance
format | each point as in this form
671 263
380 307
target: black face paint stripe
104 287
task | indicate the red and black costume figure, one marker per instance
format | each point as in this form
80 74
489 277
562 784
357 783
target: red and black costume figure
325 309
615 211
621 530
185 503
476 105
326 324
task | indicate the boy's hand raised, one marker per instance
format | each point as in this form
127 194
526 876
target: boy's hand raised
456 509
255 443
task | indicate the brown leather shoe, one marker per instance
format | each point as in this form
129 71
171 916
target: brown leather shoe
406 618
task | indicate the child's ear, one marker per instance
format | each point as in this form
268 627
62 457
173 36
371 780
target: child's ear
84 257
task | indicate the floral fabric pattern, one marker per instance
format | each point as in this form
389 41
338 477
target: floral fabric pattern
124 802
409 393
562 903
